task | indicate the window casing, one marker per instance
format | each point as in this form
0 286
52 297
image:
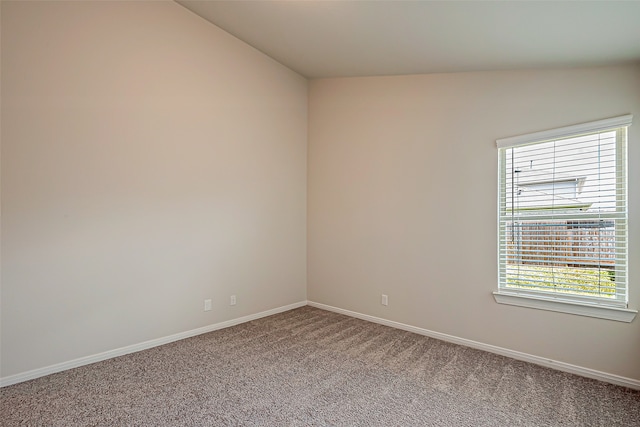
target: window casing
562 220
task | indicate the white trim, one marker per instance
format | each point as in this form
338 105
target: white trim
549 363
600 311
47 370
545 135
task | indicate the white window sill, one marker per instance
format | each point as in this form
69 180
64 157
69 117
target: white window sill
603 312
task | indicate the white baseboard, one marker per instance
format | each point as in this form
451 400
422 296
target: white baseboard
47 370
561 366
549 363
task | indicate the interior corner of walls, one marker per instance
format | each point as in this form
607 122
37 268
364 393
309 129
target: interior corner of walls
179 154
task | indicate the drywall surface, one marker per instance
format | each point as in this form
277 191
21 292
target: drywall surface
402 200
149 161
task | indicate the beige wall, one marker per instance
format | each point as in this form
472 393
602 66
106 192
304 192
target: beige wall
149 161
402 186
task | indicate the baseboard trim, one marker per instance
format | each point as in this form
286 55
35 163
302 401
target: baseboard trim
549 363
525 357
48 370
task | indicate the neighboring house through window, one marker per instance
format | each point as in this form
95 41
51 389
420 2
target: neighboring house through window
563 220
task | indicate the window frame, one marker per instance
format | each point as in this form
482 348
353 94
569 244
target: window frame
615 309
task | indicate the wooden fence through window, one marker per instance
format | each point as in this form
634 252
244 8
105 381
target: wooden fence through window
583 243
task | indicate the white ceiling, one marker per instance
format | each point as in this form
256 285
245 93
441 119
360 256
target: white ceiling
364 38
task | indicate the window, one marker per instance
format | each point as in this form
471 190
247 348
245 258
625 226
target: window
562 220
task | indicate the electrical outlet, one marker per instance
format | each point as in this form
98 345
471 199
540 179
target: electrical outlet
207 305
232 300
384 300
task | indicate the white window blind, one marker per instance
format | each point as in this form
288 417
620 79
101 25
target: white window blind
563 213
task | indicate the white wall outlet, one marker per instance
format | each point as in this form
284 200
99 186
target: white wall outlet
207 305
384 300
232 300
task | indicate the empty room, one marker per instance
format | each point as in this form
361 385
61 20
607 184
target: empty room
320 213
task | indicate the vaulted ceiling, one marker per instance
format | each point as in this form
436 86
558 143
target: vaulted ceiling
363 38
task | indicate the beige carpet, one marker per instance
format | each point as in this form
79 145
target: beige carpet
309 367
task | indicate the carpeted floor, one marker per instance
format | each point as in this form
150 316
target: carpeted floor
309 367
